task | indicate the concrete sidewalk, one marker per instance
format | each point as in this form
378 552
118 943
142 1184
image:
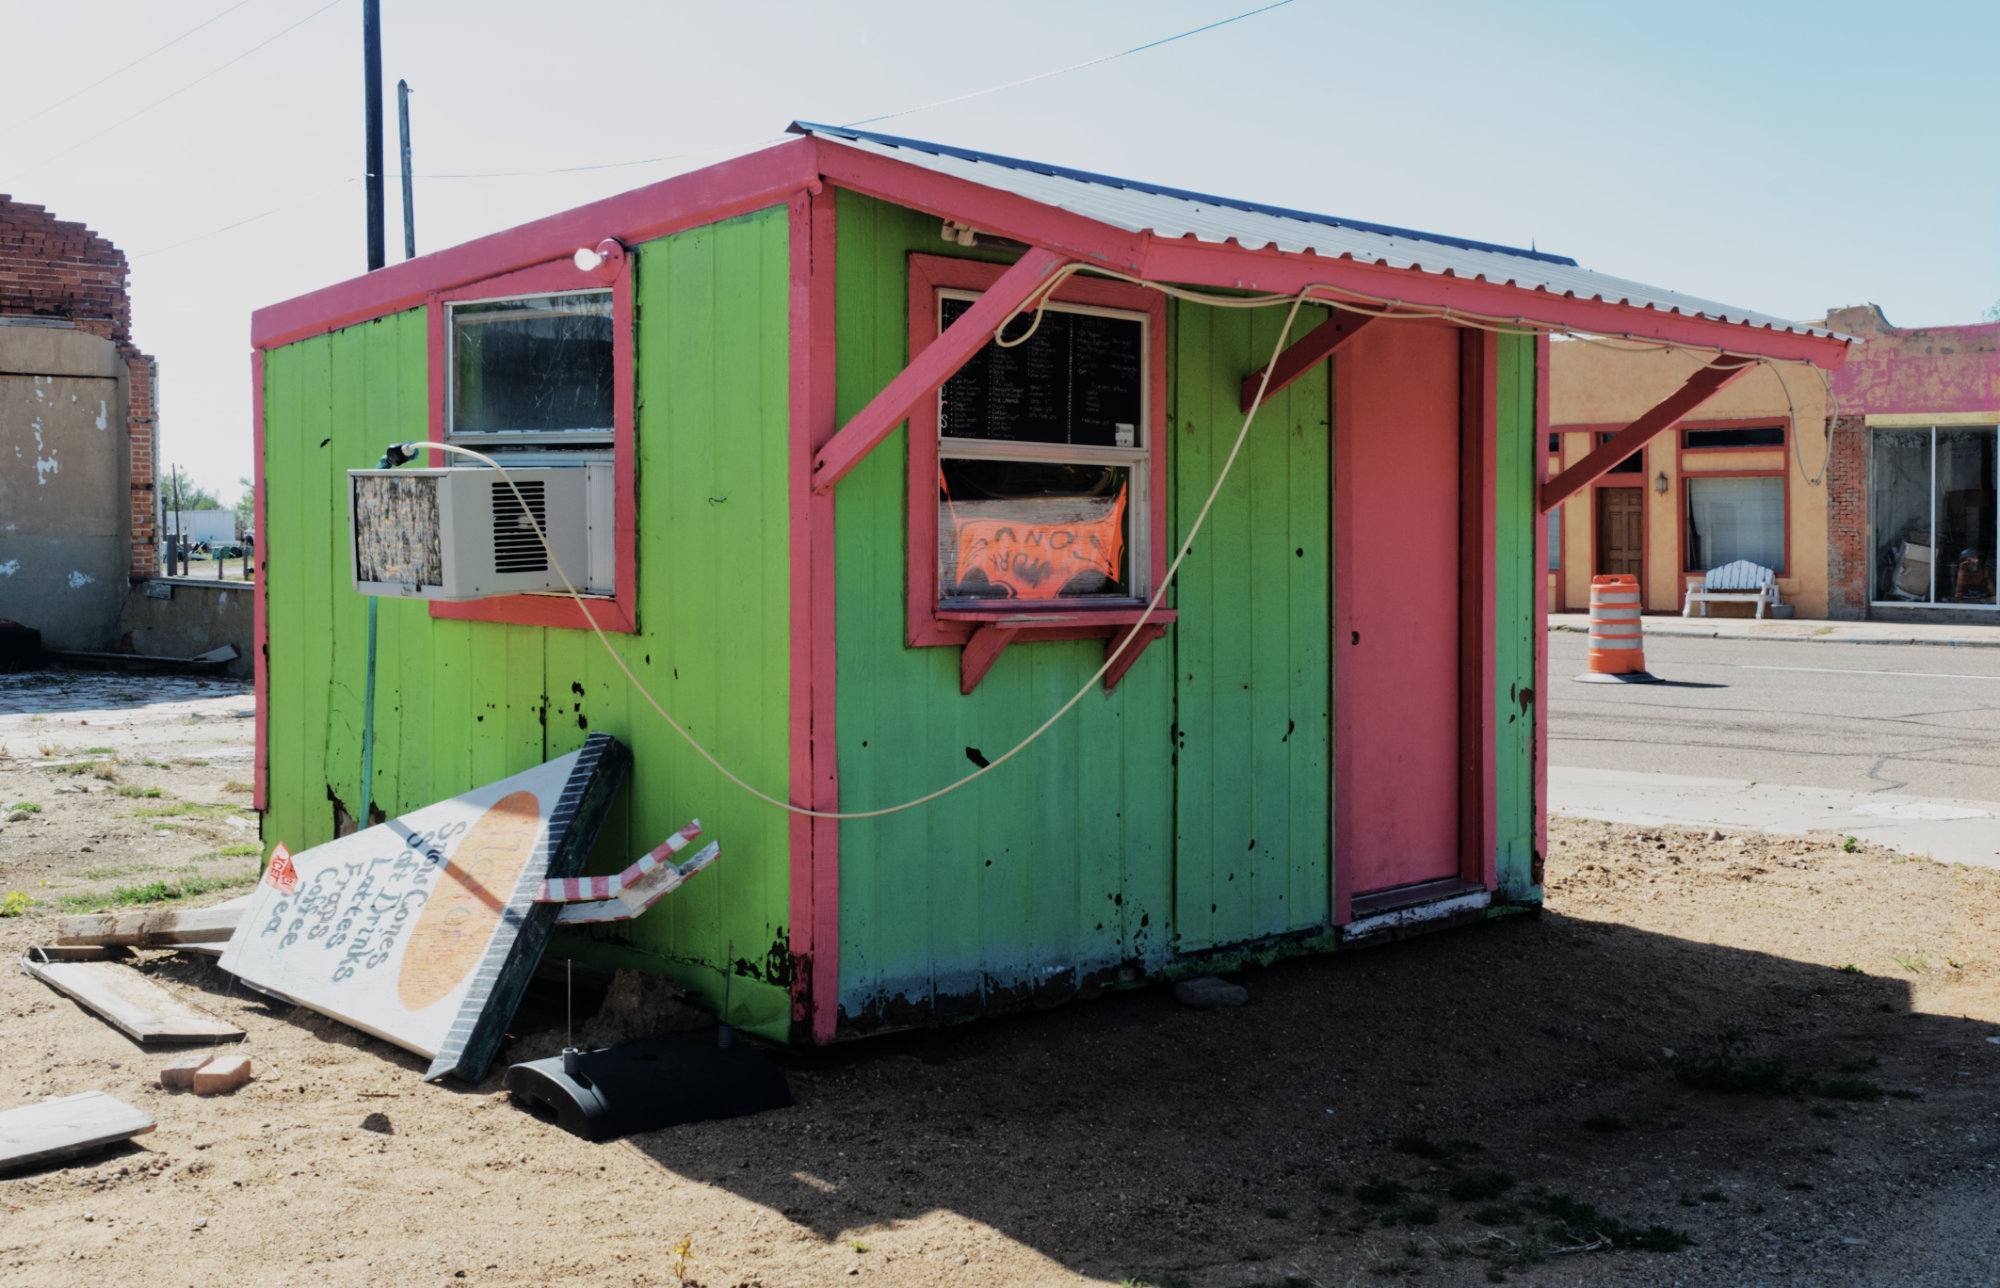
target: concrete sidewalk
1806 631
1949 831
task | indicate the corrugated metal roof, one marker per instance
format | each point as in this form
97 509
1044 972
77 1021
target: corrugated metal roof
1174 213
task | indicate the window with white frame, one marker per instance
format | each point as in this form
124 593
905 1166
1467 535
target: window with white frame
1043 460
532 372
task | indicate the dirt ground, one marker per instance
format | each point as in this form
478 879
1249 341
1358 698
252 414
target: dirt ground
1438 1111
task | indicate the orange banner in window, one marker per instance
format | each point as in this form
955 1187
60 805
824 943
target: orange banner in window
1038 560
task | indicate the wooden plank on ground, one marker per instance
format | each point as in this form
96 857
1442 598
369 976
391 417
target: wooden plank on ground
130 1001
154 926
64 1125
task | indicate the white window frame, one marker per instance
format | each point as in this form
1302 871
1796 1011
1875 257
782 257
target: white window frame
583 442
1138 461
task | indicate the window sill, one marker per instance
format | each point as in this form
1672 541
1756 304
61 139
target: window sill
1034 619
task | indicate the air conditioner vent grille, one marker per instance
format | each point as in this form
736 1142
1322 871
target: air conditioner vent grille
516 548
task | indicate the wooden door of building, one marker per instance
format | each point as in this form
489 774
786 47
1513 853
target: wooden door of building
1621 531
1397 669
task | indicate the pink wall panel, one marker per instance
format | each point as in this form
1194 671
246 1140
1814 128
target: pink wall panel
1396 590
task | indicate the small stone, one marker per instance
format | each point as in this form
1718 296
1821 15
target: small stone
201 1223
1207 992
18 816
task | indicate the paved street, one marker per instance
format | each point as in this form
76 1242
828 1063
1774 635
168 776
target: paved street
1900 744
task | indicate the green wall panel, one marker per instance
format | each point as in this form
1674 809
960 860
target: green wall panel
463 703
1517 591
1253 677
1046 875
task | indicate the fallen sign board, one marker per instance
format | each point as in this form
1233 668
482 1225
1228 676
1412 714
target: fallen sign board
64 1125
424 930
129 1000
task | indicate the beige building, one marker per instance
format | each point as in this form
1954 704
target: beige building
1742 478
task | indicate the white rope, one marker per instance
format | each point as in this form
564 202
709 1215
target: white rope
1111 658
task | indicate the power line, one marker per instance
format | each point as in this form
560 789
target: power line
1073 67
886 116
9 129
126 120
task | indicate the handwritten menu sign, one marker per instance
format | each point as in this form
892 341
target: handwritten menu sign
1080 378
422 930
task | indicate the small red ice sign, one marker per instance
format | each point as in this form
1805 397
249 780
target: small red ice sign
281 875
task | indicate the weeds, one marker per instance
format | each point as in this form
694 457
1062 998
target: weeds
237 851
1849 969
146 793
15 904
179 808
1851 844
153 892
1914 961
113 873
682 1252
98 751
1584 1223
27 806
233 786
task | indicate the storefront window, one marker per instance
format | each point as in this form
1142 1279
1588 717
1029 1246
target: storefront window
1933 512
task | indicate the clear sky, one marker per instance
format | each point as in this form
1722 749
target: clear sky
1789 157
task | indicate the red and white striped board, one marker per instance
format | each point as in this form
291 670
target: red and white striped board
574 889
637 896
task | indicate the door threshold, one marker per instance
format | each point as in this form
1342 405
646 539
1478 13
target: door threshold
1410 905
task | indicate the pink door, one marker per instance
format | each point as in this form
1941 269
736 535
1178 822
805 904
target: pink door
1396 594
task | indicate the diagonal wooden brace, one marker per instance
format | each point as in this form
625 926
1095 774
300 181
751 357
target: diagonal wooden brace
1669 412
935 365
1315 347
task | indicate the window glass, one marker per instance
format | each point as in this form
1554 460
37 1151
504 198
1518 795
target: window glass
1079 378
1032 531
533 367
1901 509
1043 462
1556 539
1757 436
1736 518
1633 464
1964 515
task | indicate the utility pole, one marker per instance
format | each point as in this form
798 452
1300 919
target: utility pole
371 61
409 185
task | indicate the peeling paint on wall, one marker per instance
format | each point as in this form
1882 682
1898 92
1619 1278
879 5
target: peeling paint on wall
11 567
45 466
78 580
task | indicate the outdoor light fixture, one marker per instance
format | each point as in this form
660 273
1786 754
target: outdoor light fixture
602 259
1659 484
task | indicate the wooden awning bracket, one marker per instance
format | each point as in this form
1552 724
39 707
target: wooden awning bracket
1315 347
938 363
1667 413
991 639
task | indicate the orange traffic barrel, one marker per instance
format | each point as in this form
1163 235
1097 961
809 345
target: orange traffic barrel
1617 641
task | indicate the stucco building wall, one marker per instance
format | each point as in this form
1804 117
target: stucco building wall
1606 385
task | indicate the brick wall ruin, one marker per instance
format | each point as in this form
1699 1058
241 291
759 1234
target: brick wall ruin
56 269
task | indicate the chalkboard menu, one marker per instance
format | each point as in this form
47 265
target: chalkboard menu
1079 379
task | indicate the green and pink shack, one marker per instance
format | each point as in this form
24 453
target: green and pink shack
888 447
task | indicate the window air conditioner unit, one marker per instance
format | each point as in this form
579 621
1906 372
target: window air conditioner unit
459 534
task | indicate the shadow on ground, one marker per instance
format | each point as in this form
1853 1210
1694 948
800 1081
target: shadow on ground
1132 1137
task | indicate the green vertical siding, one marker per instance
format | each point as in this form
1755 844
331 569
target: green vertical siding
1253 673
1044 874
1517 591
463 703
1050 873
